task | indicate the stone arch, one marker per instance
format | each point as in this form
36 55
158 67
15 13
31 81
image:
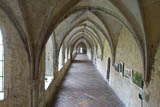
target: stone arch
128 26
107 35
154 82
89 47
127 49
74 27
136 34
90 41
88 32
83 47
79 33
111 44
15 50
86 41
86 36
17 25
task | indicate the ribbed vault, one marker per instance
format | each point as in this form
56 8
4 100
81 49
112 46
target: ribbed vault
88 21
100 25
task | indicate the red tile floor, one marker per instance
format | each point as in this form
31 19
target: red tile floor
85 87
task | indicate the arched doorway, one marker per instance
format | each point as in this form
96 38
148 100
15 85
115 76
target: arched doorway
108 69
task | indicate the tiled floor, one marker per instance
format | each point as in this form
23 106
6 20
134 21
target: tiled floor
84 87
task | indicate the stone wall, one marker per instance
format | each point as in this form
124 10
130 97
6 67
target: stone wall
41 82
153 90
17 63
102 64
49 58
53 88
17 70
89 53
16 67
127 52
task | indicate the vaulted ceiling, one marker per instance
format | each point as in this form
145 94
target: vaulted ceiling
90 20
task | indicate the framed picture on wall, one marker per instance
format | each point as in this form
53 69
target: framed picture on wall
121 68
116 66
128 73
137 79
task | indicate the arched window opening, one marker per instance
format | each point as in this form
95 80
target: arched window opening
108 69
78 50
69 54
81 50
74 52
1 67
66 51
49 69
60 65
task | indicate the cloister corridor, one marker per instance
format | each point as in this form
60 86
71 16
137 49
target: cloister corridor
83 86
79 53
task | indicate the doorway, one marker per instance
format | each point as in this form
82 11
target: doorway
108 69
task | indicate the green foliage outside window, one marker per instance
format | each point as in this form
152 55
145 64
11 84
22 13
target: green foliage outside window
137 79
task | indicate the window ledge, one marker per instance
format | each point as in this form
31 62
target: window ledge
48 81
1 96
60 67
